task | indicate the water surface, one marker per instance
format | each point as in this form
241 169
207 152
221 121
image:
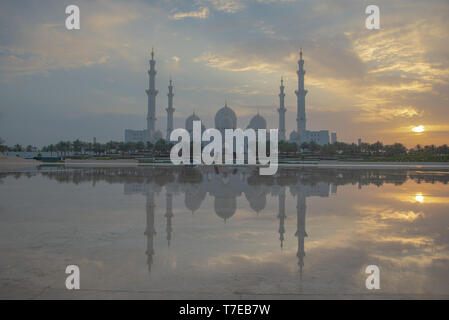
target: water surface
224 233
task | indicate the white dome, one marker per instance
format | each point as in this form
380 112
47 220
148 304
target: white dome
225 118
189 122
257 122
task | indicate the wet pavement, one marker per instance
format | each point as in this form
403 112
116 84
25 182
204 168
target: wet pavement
204 233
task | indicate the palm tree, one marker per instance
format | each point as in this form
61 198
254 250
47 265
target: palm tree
17 148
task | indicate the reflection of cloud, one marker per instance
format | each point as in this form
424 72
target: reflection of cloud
413 241
265 261
402 215
382 217
417 197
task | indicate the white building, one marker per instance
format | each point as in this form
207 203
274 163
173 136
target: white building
301 134
150 134
333 137
225 118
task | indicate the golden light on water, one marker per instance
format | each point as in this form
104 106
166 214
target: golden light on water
418 129
419 198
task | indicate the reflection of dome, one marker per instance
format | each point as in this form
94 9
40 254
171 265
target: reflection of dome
225 118
225 207
294 135
193 202
189 122
194 196
257 122
258 204
257 201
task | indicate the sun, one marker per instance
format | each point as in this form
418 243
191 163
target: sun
419 198
418 129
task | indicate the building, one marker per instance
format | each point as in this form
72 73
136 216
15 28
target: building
226 118
301 134
282 111
150 134
333 137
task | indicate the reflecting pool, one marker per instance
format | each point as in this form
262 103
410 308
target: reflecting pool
224 232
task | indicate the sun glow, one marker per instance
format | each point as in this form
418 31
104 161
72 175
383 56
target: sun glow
419 198
418 129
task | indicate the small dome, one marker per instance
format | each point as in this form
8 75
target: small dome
225 118
294 136
257 122
189 122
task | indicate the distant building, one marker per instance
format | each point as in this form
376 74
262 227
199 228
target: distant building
135 135
359 142
333 137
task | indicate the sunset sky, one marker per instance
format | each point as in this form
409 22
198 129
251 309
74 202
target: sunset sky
57 84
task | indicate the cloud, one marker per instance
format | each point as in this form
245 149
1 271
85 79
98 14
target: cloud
38 48
228 6
383 114
361 83
201 14
222 62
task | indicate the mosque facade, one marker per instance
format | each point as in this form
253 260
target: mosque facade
225 118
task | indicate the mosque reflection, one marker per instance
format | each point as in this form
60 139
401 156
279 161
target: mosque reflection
227 184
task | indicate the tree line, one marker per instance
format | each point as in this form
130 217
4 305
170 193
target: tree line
81 147
285 148
365 149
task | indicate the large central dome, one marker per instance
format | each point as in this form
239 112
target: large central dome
225 118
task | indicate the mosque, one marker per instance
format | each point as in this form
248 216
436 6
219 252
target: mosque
225 118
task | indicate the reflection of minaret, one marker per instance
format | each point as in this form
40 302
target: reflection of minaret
281 111
151 92
170 110
301 99
281 216
150 231
301 227
169 215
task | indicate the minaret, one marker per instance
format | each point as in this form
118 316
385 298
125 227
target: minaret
169 215
150 231
170 110
281 216
151 92
301 227
281 111
301 99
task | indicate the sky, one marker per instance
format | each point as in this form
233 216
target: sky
58 84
